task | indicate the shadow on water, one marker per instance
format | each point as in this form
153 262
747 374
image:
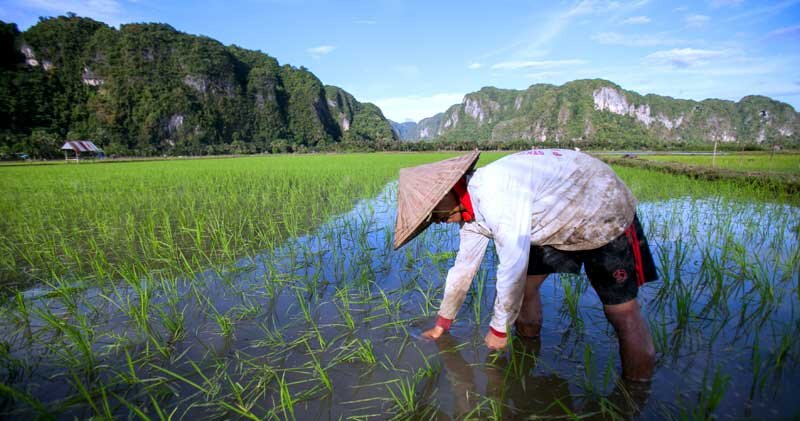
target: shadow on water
328 325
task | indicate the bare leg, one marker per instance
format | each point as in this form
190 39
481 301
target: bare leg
529 320
636 348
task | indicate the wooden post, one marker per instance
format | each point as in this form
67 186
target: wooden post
714 156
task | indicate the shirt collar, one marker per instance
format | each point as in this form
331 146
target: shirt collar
467 214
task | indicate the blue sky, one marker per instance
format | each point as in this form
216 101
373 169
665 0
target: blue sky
416 58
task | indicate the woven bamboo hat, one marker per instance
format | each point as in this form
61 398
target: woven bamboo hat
421 189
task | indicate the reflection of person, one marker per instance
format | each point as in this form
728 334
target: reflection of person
629 397
460 375
548 211
508 379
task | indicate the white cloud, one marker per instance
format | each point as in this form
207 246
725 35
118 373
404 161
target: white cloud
536 42
637 40
514 65
788 31
556 23
416 107
366 22
320 51
636 20
474 66
682 58
697 20
590 7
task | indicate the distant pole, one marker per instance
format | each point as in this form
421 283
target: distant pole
714 156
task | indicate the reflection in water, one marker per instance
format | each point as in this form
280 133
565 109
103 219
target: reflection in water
515 389
339 303
510 381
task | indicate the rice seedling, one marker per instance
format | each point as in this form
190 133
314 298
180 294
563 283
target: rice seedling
407 400
570 285
319 369
246 288
709 397
344 308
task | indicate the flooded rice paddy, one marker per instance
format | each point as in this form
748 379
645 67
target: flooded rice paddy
327 326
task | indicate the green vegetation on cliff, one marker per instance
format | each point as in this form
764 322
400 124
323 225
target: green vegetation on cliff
597 113
148 89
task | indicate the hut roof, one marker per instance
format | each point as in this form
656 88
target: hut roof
80 146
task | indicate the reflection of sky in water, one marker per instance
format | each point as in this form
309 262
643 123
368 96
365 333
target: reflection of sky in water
714 239
751 248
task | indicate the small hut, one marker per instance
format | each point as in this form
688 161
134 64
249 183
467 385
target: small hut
78 147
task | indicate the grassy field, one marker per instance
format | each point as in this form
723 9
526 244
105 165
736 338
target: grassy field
780 163
106 219
267 288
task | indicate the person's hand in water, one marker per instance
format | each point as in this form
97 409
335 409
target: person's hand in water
495 342
433 333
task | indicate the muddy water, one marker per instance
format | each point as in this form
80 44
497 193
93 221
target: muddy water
724 316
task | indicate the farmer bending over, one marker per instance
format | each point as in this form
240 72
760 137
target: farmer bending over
548 211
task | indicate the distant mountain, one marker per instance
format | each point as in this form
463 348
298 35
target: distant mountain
600 113
423 130
149 89
405 131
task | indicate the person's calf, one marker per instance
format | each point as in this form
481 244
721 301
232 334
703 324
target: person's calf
636 348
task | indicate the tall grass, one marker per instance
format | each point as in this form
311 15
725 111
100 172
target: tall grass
183 215
237 288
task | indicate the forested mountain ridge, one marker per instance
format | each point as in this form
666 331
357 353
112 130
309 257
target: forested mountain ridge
599 113
148 89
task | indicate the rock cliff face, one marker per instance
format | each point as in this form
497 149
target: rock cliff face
149 89
405 131
427 128
600 112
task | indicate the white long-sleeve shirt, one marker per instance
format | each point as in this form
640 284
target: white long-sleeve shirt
556 197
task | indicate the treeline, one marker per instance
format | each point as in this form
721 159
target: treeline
147 89
465 145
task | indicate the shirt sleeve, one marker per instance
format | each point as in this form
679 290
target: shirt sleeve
513 250
472 247
508 216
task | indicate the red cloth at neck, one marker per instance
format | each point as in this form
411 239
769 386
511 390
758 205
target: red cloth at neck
467 215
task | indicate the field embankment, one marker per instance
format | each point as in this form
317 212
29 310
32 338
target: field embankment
780 173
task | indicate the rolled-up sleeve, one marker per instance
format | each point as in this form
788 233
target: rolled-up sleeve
471 249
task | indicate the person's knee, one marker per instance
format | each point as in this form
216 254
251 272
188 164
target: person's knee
628 322
533 283
626 309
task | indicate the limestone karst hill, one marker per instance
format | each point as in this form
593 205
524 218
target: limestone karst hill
600 113
148 89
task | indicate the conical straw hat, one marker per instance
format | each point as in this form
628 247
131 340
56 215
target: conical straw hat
421 188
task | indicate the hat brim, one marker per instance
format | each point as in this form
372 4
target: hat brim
421 188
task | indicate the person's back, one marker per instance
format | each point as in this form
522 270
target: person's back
577 202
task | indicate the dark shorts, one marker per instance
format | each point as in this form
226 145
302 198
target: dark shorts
616 270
